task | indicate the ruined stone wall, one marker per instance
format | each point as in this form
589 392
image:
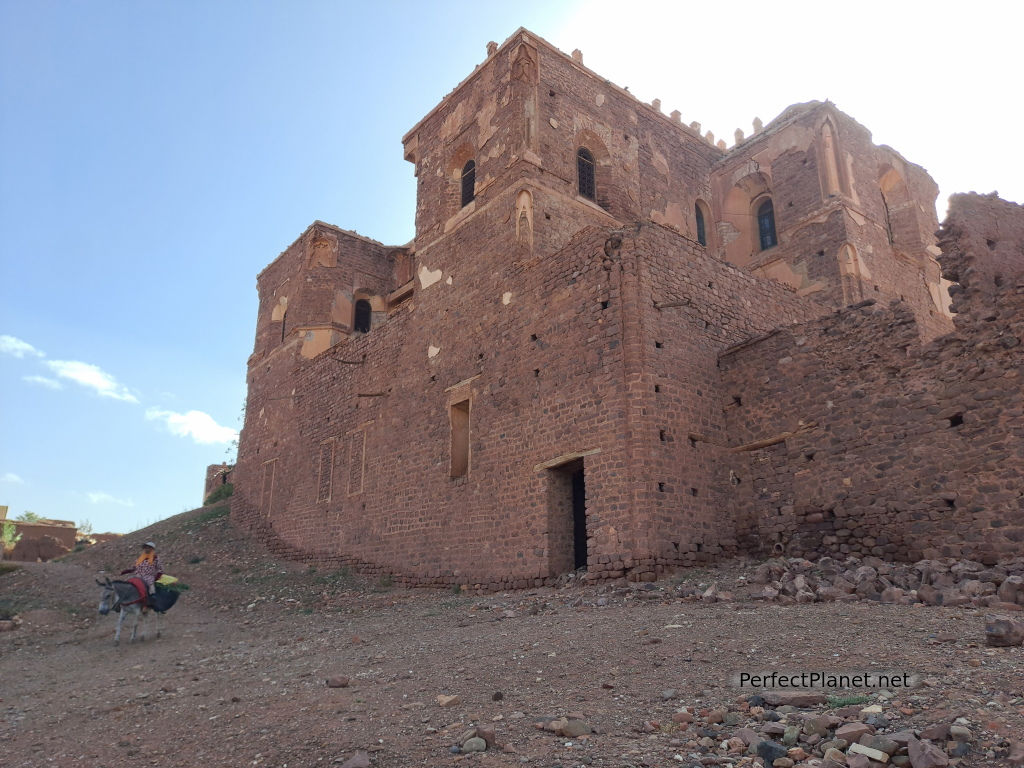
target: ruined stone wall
877 445
216 476
982 240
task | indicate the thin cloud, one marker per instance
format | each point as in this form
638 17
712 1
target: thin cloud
200 426
18 348
42 381
106 498
91 377
10 477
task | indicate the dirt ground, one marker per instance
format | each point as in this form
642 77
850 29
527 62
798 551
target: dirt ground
238 676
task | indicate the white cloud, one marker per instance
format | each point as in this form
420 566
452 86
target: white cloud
18 348
106 498
195 424
44 382
10 477
93 377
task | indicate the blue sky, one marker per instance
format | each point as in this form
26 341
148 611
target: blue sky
154 156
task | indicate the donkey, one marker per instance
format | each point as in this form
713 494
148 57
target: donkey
124 598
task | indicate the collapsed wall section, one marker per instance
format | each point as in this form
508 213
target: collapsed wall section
852 439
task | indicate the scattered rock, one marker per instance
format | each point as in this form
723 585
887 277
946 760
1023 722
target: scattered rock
358 760
793 698
1003 632
872 754
959 733
339 681
924 754
475 744
448 701
770 751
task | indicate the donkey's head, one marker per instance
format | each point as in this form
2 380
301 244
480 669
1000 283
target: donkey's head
109 597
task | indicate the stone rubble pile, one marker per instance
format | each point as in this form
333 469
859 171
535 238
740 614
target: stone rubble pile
934 582
778 728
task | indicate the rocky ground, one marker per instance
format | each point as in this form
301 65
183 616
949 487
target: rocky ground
626 675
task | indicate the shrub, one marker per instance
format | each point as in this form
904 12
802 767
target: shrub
222 492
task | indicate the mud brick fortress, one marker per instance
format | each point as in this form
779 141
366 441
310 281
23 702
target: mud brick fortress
616 344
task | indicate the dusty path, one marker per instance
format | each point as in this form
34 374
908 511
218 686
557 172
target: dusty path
234 685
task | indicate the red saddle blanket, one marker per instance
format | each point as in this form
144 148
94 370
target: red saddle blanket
143 590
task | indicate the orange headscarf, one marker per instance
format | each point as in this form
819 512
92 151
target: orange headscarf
146 557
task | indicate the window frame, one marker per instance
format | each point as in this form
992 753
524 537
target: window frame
768 236
586 174
468 182
356 325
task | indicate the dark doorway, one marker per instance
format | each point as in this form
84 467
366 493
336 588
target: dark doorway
579 519
567 518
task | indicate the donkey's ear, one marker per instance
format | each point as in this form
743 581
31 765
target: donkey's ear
100 583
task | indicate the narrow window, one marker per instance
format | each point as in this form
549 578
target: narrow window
702 237
766 225
468 183
364 313
267 487
326 481
356 461
585 171
460 439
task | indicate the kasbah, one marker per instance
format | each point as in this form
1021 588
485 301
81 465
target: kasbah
617 347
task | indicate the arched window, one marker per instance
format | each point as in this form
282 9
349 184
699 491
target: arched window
364 313
702 236
468 183
766 225
585 172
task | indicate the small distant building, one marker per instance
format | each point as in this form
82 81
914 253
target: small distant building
216 476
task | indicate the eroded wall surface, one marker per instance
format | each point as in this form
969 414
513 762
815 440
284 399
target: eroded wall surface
891 448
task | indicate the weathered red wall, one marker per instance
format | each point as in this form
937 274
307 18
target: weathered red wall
887 467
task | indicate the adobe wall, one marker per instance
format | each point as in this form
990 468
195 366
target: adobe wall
896 450
41 541
365 481
683 306
216 476
553 368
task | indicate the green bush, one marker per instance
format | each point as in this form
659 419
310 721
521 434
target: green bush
208 517
222 492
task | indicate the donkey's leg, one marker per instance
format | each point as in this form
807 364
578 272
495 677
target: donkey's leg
135 628
144 618
157 624
120 621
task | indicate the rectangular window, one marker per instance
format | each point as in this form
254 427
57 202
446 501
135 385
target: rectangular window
267 487
460 438
326 480
356 461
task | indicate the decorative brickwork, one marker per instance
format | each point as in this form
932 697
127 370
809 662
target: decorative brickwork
540 386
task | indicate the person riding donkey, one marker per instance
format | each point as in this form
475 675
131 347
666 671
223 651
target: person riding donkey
147 568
